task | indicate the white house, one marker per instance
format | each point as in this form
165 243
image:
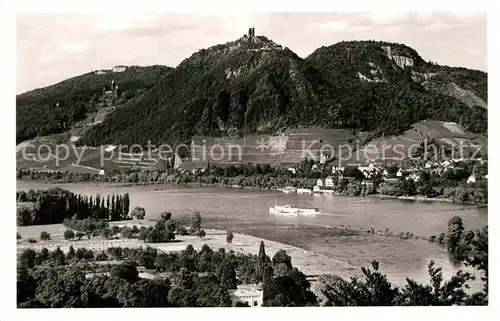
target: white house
415 177
336 169
250 294
385 173
471 179
322 158
446 163
119 68
329 181
319 182
428 165
101 172
399 173
291 169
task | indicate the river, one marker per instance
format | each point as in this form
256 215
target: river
247 211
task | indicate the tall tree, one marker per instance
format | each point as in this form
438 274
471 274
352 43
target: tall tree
454 237
262 262
126 205
229 237
227 275
103 211
113 208
195 222
91 205
108 204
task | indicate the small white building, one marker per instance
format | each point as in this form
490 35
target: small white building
336 169
319 182
428 165
101 172
322 158
385 173
329 182
471 179
399 173
250 294
304 191
415 177
446 163
119 68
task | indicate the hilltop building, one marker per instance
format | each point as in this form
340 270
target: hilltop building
119 68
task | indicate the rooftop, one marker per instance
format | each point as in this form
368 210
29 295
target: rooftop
250 289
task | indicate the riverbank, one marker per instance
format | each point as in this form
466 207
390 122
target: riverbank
415 198
308 262
252 187
425 199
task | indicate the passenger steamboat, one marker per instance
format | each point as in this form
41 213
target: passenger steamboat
291 210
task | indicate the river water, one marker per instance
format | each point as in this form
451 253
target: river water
247 211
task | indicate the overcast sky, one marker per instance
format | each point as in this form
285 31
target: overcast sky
51 48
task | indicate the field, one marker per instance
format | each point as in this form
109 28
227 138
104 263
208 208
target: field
287 149
40 154
450 134
308 262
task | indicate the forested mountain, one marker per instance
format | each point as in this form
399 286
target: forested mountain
55 108
246 86
390 86
253 85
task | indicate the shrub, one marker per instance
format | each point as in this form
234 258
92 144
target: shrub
69 234
44 236
182 230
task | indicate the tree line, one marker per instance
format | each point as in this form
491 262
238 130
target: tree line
52 206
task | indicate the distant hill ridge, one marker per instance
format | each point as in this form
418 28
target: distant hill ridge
55 108
253 86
